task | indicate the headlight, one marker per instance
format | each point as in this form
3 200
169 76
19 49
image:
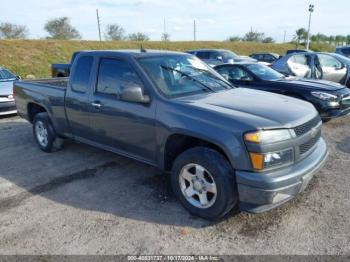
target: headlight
269 136
10 97
262 161
324 96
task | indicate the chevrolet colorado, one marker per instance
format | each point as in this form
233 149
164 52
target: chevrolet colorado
223 146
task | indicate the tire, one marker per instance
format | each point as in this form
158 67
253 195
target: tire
216 169
44 133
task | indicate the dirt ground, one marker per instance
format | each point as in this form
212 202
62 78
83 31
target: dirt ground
83 200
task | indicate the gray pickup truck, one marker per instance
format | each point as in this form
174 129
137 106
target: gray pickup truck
223 146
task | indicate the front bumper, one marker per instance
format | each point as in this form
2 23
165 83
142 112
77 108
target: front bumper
7 107
334 113
259 192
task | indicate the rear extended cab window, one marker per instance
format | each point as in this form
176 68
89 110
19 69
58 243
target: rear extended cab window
82 73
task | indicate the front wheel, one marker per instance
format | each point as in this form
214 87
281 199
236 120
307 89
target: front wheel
203 181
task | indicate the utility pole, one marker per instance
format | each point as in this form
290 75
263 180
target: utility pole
194 30
284 36
98 24
164 27
311 9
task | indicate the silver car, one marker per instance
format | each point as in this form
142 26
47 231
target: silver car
315 65
215 57
7 101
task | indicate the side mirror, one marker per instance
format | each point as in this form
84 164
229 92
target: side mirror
18 77
134 94
339 67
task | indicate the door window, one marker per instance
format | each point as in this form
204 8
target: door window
299 59
114 76
329 61
82 73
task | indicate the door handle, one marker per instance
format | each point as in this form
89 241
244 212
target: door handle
96 105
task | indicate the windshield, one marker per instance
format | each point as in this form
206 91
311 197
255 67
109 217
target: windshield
6 75
180 75
264 72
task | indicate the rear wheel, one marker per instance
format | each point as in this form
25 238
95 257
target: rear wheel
44 133
203 180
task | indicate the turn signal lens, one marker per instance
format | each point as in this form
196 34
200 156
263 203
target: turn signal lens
257 160
252 137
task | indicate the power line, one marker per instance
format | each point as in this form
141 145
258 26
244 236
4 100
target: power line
98 24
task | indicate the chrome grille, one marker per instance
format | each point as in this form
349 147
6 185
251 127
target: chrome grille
306 127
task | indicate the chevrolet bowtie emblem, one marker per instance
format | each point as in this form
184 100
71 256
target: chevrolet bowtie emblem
313 132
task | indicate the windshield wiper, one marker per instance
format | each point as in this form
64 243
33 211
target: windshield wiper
188 76
212 76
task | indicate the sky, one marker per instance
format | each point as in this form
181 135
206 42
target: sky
215 19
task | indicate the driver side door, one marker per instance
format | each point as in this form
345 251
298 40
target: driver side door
331 68
123 126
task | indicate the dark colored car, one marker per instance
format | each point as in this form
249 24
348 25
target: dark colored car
344 51
330 99
293 51
63 70
314 65
7 102
268 58
222 147
215 57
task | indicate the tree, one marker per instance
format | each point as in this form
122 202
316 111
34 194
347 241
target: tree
13 31
348 39
331 39
138 37
60 28
253 36
268 40
234 38
114 32
165 37
300 35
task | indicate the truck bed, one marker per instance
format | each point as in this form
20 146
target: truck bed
48 93
60 82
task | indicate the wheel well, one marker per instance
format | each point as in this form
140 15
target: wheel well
177 144
34 109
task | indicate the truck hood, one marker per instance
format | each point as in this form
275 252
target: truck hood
311 84
6 88
258 109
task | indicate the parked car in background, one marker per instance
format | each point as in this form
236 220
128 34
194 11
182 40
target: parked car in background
292 51
224 147
314 65
330 99
7 102
343 50
215 57
268 58
63 70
